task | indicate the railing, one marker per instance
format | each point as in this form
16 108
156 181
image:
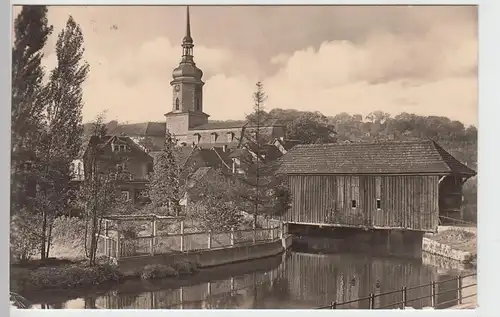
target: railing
406 302
184 242
455 221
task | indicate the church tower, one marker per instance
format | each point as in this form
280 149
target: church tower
187 92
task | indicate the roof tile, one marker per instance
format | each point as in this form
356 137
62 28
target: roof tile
423 157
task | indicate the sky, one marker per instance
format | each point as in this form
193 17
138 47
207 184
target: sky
330 59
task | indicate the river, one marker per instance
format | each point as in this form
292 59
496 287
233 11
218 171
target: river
294 280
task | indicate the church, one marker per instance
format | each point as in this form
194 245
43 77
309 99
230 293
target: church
187 119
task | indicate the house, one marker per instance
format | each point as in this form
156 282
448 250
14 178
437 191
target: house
122 159
386 185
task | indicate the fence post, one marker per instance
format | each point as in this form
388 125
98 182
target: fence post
106 242
333 305
209 242
282 231
118 240
433 294
231 236
153 235
459 289
182 235
403 295
372 301
254 232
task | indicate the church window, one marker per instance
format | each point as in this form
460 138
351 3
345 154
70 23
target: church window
213 137
197 104
176 103
197 138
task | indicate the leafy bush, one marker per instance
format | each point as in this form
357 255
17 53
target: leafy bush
158 271
63 277
24 238
185 267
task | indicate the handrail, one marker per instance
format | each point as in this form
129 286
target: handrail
456 220
404 290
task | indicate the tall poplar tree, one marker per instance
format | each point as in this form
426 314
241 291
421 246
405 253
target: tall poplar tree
62 135
31 30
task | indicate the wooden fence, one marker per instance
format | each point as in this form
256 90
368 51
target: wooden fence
406 302
118 247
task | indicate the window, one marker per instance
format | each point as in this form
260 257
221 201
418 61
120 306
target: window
353 204
176 103
213 137
196 138
197 103
379 204
119 148
120 167
125 195
229 136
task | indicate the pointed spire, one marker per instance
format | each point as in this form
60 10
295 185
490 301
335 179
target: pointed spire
188 23
187 38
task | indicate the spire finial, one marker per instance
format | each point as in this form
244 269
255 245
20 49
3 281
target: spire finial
188 24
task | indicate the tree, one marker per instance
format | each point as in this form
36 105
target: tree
167 182
212 202
259 188
61 137
98 194
31 31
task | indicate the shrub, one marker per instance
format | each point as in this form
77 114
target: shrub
24 238
158 271
63 277
185 267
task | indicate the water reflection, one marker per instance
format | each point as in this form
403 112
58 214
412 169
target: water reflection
301 280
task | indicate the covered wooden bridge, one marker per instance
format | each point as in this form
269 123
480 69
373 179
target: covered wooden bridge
386 185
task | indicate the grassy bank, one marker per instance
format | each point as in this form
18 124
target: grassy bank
64 274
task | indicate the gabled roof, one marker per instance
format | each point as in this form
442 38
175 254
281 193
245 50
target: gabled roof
287 144
415 157
236 125
141 129
104 145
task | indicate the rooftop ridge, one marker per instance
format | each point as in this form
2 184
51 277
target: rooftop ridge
365 143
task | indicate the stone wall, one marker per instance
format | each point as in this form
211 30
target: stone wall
209 258
444 250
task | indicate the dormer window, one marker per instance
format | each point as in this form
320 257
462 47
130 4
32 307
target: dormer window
197 138
213 137
230 136
119 148
120 167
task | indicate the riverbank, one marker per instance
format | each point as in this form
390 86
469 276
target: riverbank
131 286
65 274
456 243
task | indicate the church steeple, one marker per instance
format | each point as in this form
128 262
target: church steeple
187 92
187 41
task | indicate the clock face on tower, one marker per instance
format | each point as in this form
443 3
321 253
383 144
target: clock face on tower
177 87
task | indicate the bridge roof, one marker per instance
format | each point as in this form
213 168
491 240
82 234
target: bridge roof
410 157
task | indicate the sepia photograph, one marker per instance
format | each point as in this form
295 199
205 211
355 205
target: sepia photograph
244 157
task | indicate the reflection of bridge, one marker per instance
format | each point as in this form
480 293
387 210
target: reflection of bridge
300 281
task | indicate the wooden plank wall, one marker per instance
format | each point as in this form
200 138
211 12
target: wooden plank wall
405 201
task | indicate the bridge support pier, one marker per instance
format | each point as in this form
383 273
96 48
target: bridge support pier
375 241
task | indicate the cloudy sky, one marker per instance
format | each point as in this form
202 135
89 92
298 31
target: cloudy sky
332 59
